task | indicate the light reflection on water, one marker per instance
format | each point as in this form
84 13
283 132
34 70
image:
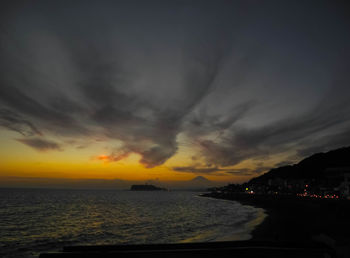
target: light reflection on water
33 220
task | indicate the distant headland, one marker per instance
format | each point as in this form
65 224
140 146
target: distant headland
304 202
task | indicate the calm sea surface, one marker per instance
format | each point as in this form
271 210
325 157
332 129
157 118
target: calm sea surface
37 220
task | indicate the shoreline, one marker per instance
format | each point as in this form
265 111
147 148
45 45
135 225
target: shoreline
292 218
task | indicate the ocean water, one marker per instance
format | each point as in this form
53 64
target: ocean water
37 220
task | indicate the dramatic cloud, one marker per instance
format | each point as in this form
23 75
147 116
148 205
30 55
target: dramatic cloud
219 171
326 125
284 163
230 81
192 169
15 122
40 144
102 94
241 172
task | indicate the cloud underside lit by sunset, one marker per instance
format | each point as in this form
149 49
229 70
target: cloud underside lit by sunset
170 89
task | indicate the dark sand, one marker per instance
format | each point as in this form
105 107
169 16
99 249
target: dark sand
299 219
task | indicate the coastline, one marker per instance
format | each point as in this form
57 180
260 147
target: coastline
297 219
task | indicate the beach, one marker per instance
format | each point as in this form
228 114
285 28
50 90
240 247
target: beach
298 218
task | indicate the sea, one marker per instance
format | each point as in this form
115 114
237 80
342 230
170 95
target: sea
33 221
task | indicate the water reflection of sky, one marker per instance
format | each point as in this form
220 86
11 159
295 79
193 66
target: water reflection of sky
43 220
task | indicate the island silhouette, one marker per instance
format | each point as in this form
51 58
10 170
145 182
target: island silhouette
146 188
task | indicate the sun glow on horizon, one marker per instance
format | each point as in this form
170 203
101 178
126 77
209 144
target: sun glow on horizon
74 162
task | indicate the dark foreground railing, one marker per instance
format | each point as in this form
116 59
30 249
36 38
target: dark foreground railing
241 249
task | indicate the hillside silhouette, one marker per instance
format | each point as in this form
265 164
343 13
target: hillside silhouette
313 167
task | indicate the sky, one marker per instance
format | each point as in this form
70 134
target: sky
169 90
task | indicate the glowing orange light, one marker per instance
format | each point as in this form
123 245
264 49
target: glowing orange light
104 158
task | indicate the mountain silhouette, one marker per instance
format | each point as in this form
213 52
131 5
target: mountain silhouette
200 179
196 183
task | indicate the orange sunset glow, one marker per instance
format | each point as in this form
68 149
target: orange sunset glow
177 128
18 160
142 99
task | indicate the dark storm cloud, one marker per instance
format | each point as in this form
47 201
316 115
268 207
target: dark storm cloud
260 169
145 127
241 172
326 143
40 144
194 169
213 169
52 119
98 97
144 73
284 163
201 123
15 122
329 116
